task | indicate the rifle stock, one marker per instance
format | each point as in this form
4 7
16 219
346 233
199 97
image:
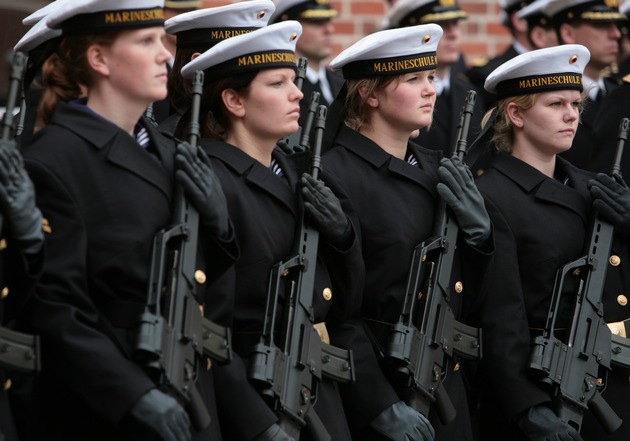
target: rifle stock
172 333
570 367
288 373
427 332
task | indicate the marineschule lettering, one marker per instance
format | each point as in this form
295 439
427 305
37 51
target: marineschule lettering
274 57
402 65
552 80
134 16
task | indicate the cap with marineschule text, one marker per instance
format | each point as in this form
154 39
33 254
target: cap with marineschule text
271 47
554 68
93 16
210 25
303 10
415 12
390 52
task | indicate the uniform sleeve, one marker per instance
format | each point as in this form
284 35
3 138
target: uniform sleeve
77 346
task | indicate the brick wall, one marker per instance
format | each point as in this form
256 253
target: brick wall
483 33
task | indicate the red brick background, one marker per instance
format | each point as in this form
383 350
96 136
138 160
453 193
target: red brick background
483 33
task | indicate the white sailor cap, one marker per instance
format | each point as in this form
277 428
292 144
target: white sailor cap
535 14
390 52
38 34
93 16
567 11
303 10
270 47
415 12
208 26
42 12
542 70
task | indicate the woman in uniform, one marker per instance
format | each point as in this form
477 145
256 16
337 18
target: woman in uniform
196 32
104 180
391 188
540 206
251 102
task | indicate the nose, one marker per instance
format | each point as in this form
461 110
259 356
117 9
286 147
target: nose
297 94
572 114
613 31
429 89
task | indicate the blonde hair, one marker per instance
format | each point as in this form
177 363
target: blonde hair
503 134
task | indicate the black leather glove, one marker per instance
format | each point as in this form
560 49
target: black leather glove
612 201
17 200
400 422
274 433
324 209
162 415
203 188
540 423
460 193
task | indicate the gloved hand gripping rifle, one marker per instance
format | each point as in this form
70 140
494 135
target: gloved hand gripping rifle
570 367
427 332
18 351
172 334
287 373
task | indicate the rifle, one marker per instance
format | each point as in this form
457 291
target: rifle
569 367
169 343
148 114
427 332
292 143
287 374
18 351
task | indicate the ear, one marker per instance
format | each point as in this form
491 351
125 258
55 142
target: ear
519 24
195 55
371 99
233 102
537 37
567 34
514 114
97 59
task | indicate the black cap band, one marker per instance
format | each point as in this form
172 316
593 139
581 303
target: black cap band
105 21
210 37
431 13
308 11
389 66
592 11
251 63
539 83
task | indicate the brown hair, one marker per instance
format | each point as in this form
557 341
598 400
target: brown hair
180 88
214 119
66 74
356 105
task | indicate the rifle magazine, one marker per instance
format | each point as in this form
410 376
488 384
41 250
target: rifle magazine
466 341
216 341
620 351
19 351
337 364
